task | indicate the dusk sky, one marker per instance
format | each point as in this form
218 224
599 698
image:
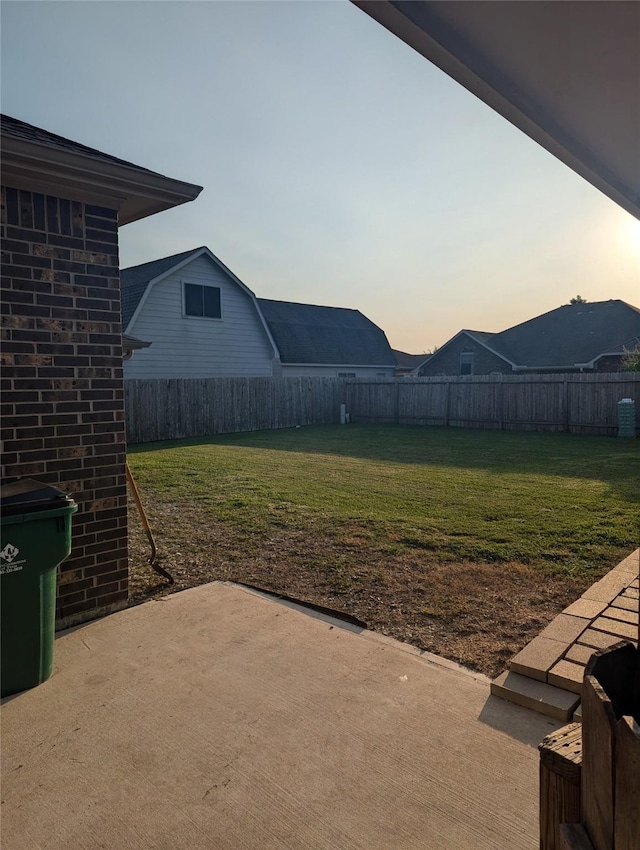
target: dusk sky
339 166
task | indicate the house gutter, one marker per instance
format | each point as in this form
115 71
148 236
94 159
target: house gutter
592 363
559 369
131 344
135 192
343 365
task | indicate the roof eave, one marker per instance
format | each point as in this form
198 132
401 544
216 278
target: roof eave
568 367
341 365
446 48
591 364
134 193
132 344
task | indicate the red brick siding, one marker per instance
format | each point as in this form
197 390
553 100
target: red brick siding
62 384
447 362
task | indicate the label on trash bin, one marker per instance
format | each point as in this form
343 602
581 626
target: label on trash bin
8 563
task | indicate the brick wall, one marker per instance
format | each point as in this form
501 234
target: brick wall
448 362
62 385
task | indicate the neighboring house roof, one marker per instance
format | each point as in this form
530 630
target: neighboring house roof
480 336
134 280
571 336
308 334
39 161
409 361
491 342
301 333
483 338
624 347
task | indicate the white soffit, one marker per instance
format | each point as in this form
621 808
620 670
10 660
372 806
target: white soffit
566 73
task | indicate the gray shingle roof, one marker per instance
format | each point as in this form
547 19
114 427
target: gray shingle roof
134 280
305 333
493 342
16 129
410 361
568 335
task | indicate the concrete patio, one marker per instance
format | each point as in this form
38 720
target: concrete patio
222 718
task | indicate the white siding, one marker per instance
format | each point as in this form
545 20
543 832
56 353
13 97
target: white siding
235 345
293 371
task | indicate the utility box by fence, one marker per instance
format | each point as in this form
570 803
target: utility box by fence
576 403
626 418
169 409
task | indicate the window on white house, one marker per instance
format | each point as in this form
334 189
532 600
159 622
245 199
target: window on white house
466 362
202 301
346 374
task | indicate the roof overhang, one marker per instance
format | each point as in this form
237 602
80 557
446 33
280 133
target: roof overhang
135 193
565 73
132 343
341 365
618 351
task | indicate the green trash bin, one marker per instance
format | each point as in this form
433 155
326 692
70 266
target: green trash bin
36 537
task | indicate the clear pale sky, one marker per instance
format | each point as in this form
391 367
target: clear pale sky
339 167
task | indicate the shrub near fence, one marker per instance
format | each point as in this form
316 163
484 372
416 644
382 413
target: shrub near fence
169 409
577 403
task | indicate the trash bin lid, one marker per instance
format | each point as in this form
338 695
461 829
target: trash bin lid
22 495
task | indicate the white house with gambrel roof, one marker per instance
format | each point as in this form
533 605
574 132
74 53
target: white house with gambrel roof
203 322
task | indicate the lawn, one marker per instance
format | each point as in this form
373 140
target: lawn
463 542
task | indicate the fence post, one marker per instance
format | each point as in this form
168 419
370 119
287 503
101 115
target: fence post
446 404
170 408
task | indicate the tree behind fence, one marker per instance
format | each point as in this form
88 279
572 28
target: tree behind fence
159 409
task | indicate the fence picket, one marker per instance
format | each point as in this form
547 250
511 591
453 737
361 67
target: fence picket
168 409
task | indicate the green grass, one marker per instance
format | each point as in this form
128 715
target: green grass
561 504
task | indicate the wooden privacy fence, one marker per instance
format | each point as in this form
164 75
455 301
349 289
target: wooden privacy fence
578 403
168 409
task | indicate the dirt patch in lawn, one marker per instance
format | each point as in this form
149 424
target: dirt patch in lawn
479 615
